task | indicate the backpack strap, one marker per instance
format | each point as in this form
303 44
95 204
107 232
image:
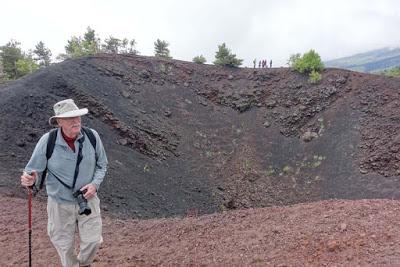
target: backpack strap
49 151
50 148
91 137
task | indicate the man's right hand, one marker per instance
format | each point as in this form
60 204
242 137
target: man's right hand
28 179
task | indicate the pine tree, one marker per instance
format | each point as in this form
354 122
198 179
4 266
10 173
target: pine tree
43 54
161 49
224 57
128 47
26 65
114 45
132 47
78 46
74 48
111 45
91 43
15 63
10 54
2 74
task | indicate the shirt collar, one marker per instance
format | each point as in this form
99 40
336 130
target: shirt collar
60 140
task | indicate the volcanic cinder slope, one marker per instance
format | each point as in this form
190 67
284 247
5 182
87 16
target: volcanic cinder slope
185 138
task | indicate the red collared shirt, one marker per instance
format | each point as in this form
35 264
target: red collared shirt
70 141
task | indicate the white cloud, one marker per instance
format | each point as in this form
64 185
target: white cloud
251 29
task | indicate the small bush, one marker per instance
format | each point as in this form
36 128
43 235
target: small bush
199 59
292 59
315 76
309 62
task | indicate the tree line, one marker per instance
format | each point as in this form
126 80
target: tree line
15 63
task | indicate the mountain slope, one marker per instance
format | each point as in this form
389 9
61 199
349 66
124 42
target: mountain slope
188 138
371 61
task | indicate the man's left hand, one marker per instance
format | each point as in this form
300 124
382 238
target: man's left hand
91 191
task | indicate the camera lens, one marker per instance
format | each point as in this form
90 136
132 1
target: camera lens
82 202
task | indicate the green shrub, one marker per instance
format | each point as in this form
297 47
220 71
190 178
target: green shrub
308 62
199 59
315 76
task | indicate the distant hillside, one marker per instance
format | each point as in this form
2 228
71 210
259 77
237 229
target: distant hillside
372 61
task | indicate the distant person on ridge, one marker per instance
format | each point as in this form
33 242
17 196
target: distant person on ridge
270 63
75 169
254 63
259 64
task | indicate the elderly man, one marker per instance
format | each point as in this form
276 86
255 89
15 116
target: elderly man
75 170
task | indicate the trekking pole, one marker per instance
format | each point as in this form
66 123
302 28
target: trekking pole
30 224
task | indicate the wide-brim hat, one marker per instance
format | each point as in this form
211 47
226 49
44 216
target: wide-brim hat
66 109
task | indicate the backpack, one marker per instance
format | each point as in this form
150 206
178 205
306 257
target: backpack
52 141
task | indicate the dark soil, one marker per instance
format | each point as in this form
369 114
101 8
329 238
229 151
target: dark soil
183 136
187 139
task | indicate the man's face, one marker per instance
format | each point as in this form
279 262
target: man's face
70 126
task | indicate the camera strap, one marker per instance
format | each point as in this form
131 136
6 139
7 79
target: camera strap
78 161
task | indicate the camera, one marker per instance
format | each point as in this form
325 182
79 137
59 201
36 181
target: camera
82 202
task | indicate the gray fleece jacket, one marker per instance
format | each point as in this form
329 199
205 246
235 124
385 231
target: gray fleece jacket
62 164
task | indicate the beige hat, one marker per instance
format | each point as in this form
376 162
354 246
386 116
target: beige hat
66 109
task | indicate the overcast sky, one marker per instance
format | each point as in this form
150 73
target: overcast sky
251 29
